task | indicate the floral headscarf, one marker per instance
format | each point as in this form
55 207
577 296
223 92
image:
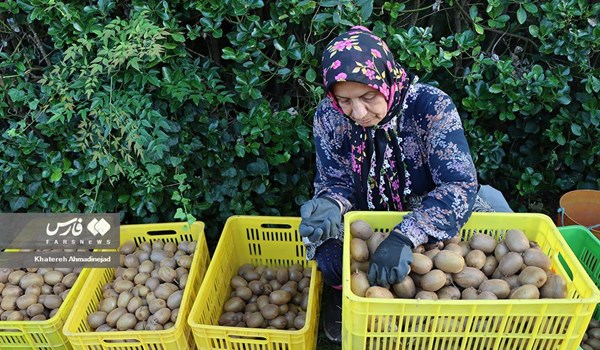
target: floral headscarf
380 175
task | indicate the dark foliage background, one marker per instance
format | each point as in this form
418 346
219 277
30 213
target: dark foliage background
183 110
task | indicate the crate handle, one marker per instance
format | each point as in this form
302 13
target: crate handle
247 338
280 226
10 330
124 340
161 232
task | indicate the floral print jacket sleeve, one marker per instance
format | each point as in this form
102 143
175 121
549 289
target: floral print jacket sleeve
443 180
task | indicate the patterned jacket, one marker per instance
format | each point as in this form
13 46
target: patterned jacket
442 178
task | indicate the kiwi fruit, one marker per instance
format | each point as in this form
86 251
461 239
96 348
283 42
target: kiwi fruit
499 287
359 250
375 240
483 242
421 264
405 289
535 257
469 277
526 291
378 292
532 275
555 287
359 283
475 258
511 263
274 298
448 293
516 241
433 280
487 295
449 261
426 295
361 229
280 297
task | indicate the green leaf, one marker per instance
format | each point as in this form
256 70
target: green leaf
283 71
478 28
534 31
134 63
531 127
166 74
473 11
595 83
495 89
231 172
311 75
564 99
329 3
153 169
176 196
260 167
17 95
503 18
366 10
19 203
521 15
228 53
56 117
322 17
277 45
576 129
531 8
260 189
180 214
56 175
178 37
240 151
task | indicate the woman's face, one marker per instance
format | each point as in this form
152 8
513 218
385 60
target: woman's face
363 104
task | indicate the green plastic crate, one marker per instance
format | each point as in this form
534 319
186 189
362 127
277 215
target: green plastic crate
587 249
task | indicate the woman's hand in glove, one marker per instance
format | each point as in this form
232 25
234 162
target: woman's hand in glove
321 219
391 261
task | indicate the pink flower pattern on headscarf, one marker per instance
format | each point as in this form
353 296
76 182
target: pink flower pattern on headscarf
340 77
360 56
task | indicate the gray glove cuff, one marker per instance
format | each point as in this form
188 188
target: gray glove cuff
332 200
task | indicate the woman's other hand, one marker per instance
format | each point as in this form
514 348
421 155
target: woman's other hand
321 219
391 261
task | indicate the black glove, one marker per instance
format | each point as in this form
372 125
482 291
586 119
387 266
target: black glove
321 219
391 261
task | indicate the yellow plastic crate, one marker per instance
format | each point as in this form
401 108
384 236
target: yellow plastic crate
409 324
42 335
178 337
258 240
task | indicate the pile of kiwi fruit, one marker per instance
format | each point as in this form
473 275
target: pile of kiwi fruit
477 268
274 297
34 294
147 288
591 338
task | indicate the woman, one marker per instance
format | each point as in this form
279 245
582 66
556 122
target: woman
383 141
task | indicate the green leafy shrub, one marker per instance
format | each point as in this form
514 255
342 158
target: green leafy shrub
186 110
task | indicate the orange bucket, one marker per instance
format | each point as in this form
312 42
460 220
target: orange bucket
580 207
